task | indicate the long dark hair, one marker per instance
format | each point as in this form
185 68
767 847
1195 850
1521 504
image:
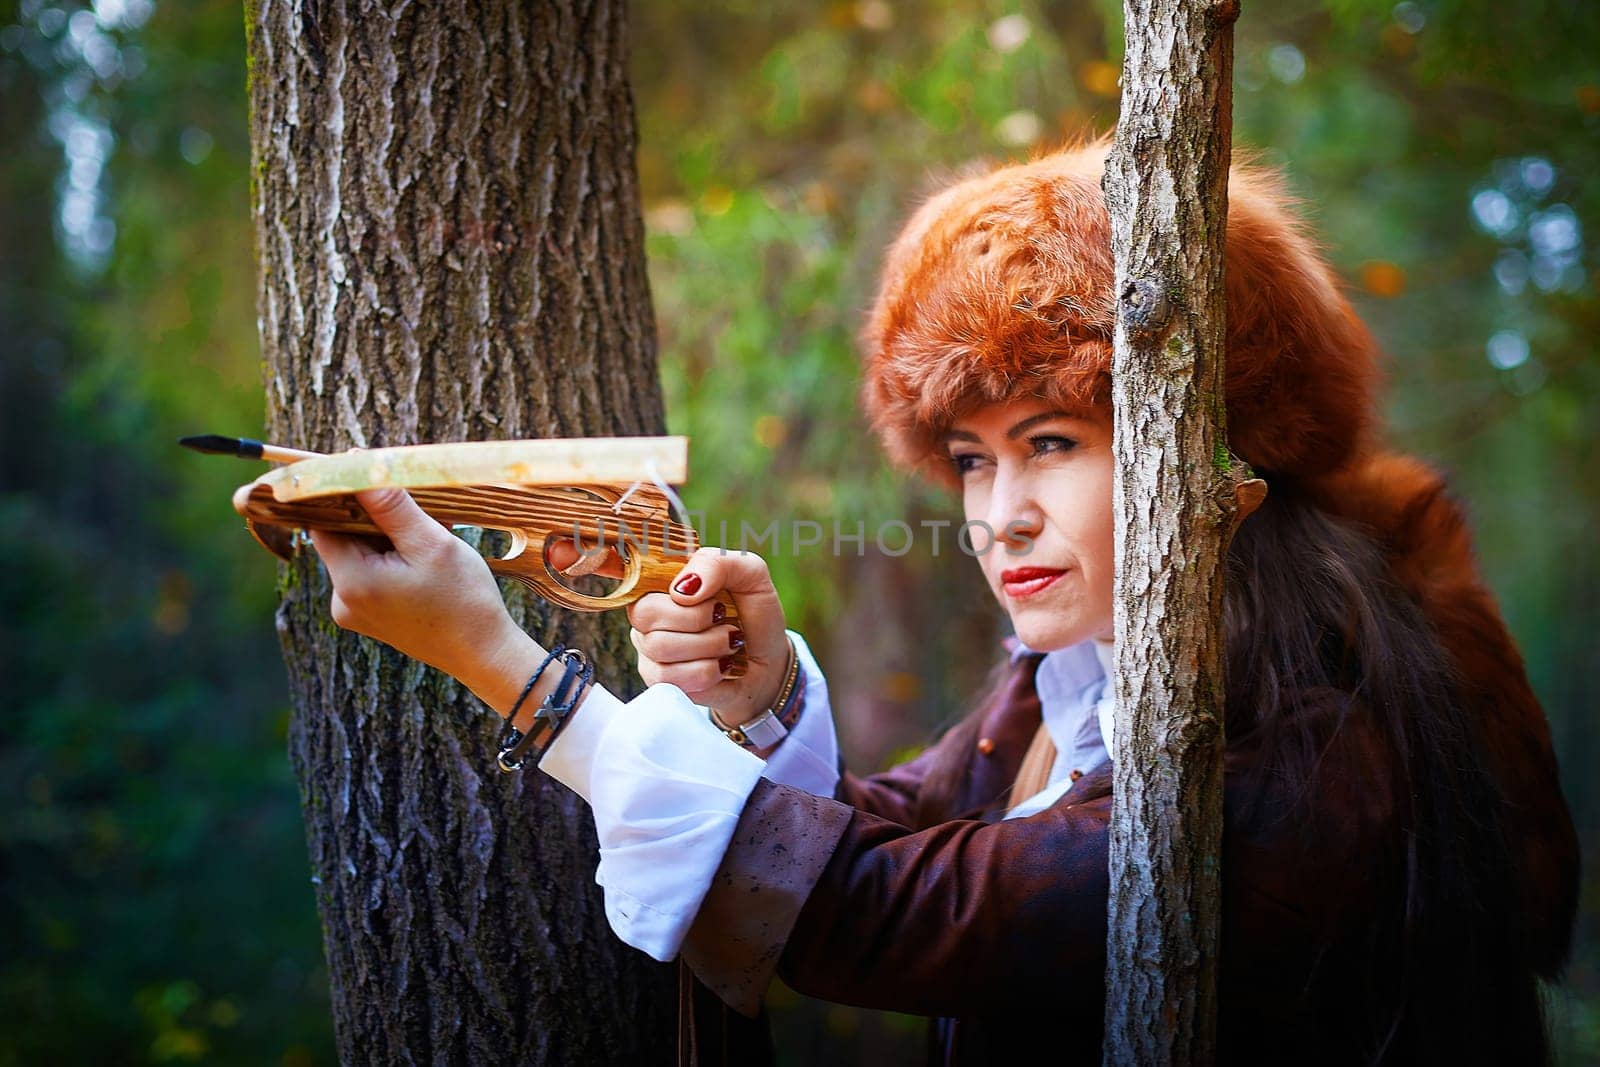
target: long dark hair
1312 610
1313 606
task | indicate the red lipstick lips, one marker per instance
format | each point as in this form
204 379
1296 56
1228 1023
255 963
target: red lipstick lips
1026 581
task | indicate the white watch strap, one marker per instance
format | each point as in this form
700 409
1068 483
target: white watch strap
765 730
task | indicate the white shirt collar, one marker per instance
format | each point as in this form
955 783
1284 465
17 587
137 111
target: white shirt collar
1075 701
1072 683
1105 651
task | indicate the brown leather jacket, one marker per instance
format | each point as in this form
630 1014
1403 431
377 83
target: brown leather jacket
996 929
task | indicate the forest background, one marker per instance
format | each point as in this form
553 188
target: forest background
153 874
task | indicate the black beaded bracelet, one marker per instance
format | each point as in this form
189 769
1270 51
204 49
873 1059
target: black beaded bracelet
517 747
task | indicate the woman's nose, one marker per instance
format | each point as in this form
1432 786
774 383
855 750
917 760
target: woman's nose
1014 513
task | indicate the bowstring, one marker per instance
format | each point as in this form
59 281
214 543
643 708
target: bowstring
653 475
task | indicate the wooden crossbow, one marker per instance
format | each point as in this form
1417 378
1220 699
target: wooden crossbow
599 492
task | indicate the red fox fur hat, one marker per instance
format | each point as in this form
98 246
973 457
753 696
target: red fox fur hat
999 288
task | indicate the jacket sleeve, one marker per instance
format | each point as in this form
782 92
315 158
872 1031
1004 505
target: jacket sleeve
851 907
972 917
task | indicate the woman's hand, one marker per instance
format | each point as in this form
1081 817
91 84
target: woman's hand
431 596
682 638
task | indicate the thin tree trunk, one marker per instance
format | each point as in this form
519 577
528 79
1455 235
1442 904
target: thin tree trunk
1166 188
450 245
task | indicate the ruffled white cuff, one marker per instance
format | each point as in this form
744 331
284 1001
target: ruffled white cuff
667 789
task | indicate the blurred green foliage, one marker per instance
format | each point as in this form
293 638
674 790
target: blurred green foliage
155 884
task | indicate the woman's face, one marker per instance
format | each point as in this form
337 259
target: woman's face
1041 479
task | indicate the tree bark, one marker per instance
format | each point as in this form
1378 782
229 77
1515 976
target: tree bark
1166 188
451 248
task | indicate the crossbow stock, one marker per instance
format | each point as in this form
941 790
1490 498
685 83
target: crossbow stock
599 492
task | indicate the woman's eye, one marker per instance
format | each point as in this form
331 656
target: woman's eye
1042 445
1046 443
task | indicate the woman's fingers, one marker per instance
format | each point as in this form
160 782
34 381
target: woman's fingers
683 646
428 594
564 553
341 553
684 640
658 611
700 679
666 646
713 572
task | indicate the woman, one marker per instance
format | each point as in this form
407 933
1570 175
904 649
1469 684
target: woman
1399 867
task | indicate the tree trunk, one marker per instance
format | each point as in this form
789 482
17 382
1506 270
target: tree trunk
451 248
1166 188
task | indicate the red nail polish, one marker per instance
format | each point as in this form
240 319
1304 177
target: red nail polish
725 664
736 639
718 613
688 585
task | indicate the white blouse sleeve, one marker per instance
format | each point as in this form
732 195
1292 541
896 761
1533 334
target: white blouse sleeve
667 789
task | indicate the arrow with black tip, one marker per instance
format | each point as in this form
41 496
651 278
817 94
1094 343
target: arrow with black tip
245 448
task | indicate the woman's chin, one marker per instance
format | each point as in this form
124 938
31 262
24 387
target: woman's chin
1043 632
1045 638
